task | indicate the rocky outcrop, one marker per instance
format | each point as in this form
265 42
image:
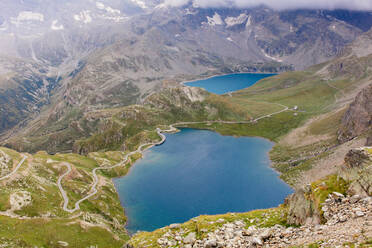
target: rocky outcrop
358 118
301 209
358 171
356 158
346 219
369 140
182 97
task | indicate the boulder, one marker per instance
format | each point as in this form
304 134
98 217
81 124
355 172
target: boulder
210 243
174 226
301 210
190 238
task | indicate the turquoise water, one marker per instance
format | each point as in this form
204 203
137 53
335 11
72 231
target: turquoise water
228 83
199 172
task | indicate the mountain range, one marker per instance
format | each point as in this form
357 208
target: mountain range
64 59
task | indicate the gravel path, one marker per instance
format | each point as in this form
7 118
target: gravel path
15 170
94 190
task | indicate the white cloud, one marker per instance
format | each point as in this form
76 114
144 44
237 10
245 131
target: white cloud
279 4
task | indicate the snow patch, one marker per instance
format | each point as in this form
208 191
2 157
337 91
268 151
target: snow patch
190 12
270 57
113 11
229 39
249 21
83 16
55 26
108 9
232 21
140 3
114 18
27 16
30 16
100 5
3 27
215 20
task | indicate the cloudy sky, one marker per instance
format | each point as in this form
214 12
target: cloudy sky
281 4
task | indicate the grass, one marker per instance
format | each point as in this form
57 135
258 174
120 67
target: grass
322 188
50 223
47 233
369 150
4 200
271 128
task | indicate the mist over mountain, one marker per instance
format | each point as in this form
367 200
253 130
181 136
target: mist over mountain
277 4
63 55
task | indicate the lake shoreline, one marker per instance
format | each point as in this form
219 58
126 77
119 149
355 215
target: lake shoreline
228 83
184 83
261 167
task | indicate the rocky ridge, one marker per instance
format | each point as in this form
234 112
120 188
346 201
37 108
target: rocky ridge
105 63
349 220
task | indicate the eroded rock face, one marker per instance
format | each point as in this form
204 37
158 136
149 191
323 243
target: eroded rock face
301 209
358 118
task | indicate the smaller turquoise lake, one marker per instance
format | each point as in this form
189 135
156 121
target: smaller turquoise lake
199 172
228 83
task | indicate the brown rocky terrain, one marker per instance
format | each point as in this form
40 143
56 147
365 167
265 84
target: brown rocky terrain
358 118
348 220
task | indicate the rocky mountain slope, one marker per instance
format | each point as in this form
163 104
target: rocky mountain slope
119 53
358 118
298 37
24 88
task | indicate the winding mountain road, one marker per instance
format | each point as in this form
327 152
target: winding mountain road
140 149
15 170
94 190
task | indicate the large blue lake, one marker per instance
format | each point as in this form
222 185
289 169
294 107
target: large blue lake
199 172
228 83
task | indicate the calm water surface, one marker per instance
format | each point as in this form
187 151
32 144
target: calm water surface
228 83
199 172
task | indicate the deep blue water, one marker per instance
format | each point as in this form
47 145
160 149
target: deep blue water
228 83
199 172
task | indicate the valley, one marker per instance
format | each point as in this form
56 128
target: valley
88 89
